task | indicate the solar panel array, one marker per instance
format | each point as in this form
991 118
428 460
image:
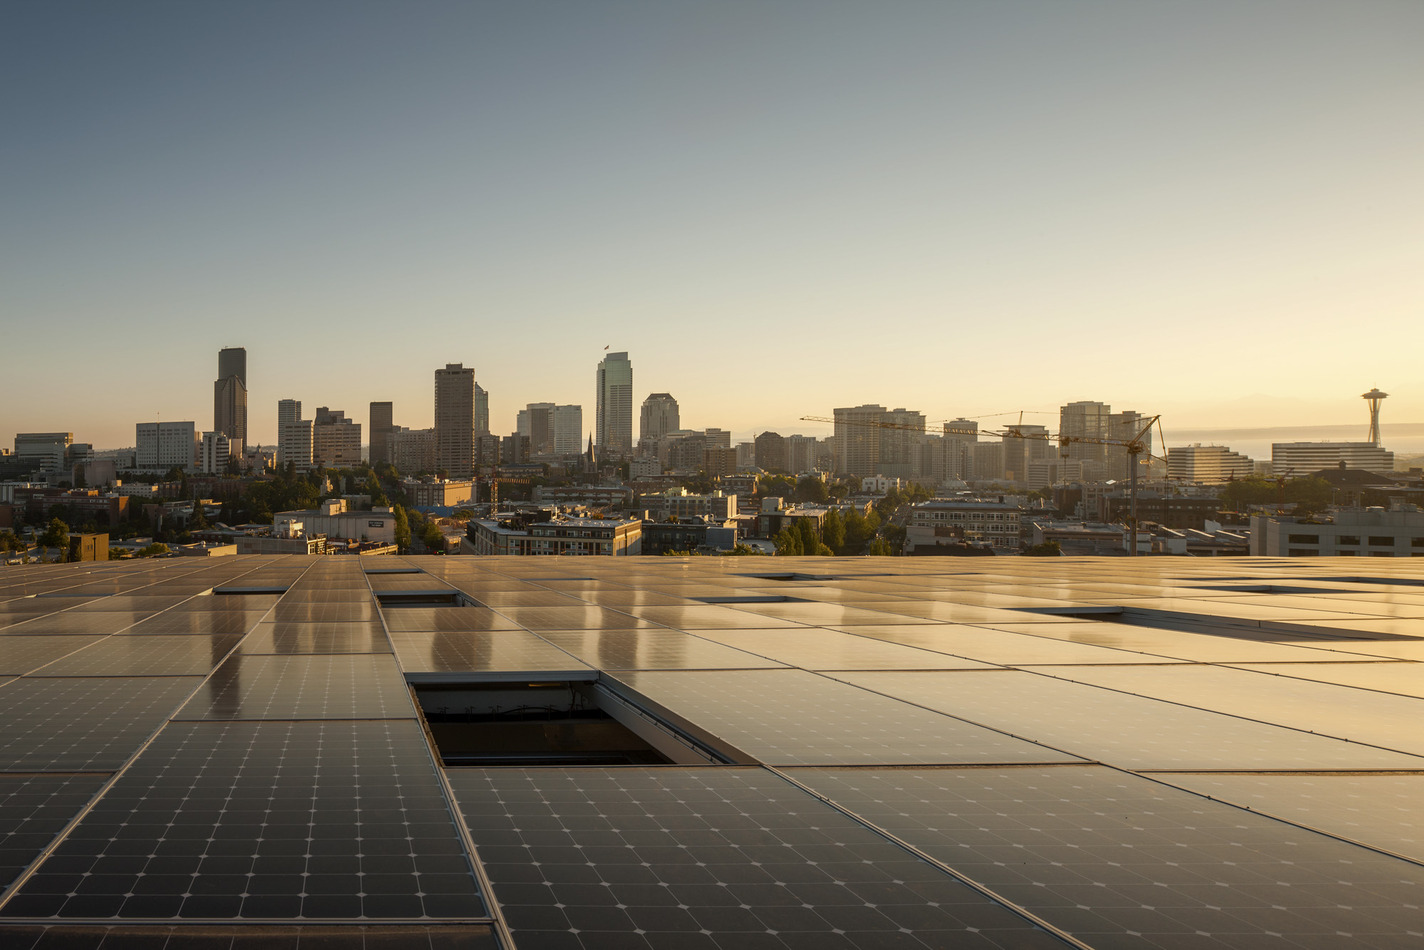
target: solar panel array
1155 752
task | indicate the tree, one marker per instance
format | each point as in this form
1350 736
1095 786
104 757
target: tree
812 490
402 530
1309 495
833 531
1046 549
788 543
879 547
55 536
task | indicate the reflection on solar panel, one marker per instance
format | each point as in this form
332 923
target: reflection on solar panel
923 758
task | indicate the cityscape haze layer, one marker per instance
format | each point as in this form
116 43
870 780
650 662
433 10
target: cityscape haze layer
1209 211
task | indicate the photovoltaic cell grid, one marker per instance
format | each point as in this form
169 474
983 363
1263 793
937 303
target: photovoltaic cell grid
33 809
708 858
791 717
334 820
246 937
74 724
1118 860
1132 732
336 686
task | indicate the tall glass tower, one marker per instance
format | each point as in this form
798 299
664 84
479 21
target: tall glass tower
614 424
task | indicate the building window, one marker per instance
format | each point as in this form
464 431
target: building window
1302 539
1348 539
1302 552
1416 542
1381 542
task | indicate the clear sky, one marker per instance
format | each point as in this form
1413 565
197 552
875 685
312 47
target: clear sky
1212 209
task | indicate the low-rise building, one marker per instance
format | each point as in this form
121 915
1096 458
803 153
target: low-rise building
941 522
699 536
681 504
1299 458
438 492
561 536
1207 464
1346 532
333 520
1169 510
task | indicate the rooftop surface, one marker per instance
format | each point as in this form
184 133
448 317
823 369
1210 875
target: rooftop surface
833 753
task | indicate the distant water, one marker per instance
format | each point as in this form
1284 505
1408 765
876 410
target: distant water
1403 439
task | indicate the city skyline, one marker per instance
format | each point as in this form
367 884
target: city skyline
1211 212
1407 437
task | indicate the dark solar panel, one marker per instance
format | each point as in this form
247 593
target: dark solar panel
83 724
330 820
157 655
324 637
337 686
33 809
1111 857
723 858
789 717
20 655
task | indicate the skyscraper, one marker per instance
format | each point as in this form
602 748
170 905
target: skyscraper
858 439
614 423
659 417
382 425
288 410
481 410
230 397
455 420
1084 419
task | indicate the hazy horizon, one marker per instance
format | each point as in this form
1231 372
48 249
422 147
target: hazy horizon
1211 211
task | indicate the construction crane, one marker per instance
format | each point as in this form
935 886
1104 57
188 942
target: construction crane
1135 446
494 483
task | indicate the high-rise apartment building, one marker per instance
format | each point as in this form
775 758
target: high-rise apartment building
1025 444
1085 420
160 446
455 420
336 440
382 425
770 452
213 453
294 443
898 442
568 430
800 453
858 439
413 450
288 410
658 418
230 397
1124 427
614 425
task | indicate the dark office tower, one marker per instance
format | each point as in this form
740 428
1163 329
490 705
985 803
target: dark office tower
382 426
230 397
455 420
771 452
614 422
